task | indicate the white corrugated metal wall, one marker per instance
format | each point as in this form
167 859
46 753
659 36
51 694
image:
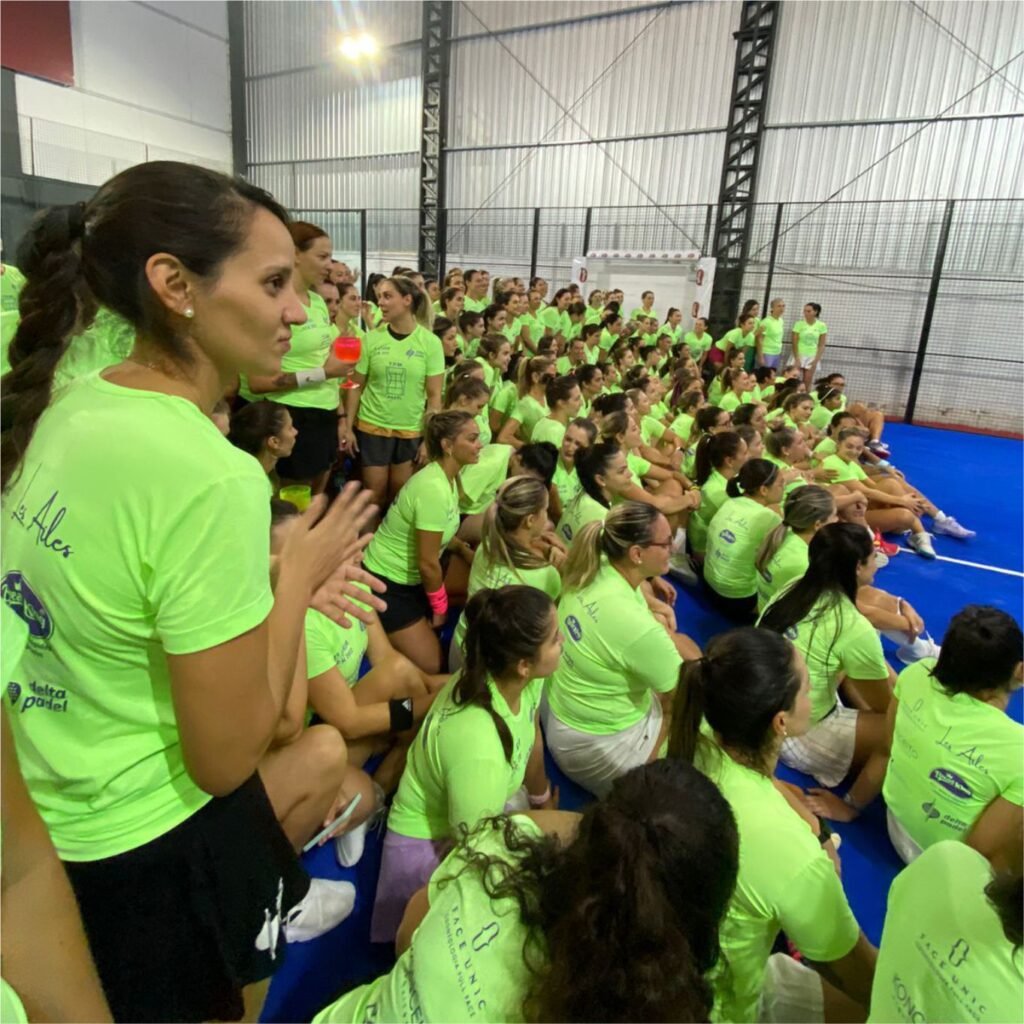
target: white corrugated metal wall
617 104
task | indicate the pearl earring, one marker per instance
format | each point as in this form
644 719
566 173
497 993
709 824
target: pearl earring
189 313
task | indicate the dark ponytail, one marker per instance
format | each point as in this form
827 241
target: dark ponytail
713 450
503 626
834 553
78 257
746 677
753 475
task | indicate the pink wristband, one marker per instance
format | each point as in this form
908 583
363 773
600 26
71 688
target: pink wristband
439 601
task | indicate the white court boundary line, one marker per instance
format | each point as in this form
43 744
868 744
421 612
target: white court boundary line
972 565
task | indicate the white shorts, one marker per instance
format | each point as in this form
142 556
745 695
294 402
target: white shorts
594 761
791 992
804 362
826 749
900 838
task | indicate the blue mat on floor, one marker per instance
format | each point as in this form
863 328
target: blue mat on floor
976 478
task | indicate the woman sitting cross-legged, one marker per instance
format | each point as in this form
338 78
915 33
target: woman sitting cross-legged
606 702
478 743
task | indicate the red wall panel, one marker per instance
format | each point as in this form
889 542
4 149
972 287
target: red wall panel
35 39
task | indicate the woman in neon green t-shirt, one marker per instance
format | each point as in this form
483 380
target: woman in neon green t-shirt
563 398
517 548
769 336
579 435
660 823
308 382
399 377
719 457
494 354
166 676
819 613
741 337
531 405
606 701
735 533
736 709
406 550
751 308
646 307
737 389
956 754
809 337
477 747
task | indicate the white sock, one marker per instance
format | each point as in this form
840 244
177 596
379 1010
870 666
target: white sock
348 847
896 636
939 515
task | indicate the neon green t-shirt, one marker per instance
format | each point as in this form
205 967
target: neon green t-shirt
12 1010
682 425
479 482
825 447
329 645
846 470
638 466
617 656
821 417
485 575
785 467
483 424
712 494
428 502
457 772
607 339
787 564
593 315
730 401
528 411
567 481
115 562
944 955
11 283
951 756
548 429
397 369
772 330
736 338
698 346
652 430
836 642
786 882
556 322
504 399
471 305
715 391
581 510
108 340
673 333
442 976
807 336
734 538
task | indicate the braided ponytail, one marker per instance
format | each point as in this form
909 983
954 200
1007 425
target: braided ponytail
53 303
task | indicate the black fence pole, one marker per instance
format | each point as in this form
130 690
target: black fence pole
362 248
586 231
442 244
708 222
766 309
929 310
535 242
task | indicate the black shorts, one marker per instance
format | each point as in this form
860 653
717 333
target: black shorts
407 603
177 927
741 610
375 450
316 447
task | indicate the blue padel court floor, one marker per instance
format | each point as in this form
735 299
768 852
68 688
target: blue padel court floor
976 478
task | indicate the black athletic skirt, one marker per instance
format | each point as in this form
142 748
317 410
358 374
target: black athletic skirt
177 927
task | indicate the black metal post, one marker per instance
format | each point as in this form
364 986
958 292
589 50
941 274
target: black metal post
929 311
534 244
708 222
364 273
236 65
766 309
442 244
586 231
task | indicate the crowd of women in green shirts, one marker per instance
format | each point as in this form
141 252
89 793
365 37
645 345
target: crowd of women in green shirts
539 469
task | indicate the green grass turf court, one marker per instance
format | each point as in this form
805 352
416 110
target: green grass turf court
977 478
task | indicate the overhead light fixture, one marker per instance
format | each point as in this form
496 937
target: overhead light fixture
361 47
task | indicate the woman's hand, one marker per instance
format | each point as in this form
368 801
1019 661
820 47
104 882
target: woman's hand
322 541
335 368
341 596
914 621
827 805
422 458
663 590
824 475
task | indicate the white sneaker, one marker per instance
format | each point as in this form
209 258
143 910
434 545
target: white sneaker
921 544
679 568
881 559
923 647
949 527
324 907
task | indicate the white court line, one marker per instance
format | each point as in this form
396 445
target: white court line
972 565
